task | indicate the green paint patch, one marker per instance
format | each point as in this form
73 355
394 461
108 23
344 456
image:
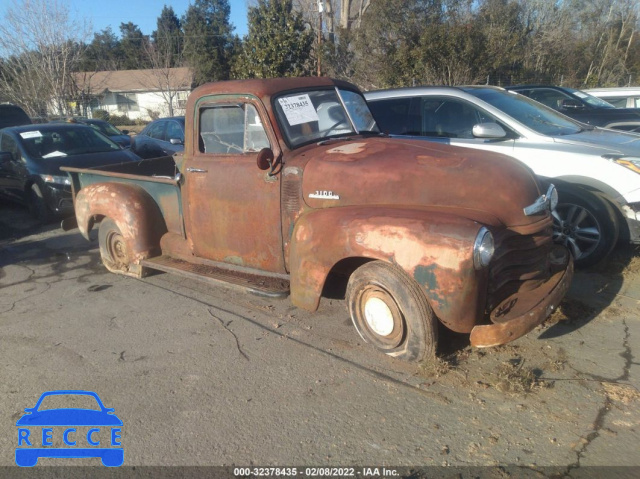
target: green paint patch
426 277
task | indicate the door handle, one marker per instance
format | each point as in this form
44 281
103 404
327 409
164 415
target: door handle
195 170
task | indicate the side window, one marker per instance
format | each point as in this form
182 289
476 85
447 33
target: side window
174 131
393 116
231 129
551 98
157 130
448 118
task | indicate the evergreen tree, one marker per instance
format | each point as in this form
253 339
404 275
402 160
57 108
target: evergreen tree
167 38
208 40
278 44
102 53
132 44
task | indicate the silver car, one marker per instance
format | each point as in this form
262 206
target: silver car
596 171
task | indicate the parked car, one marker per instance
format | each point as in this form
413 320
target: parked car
595 170
13 115
122 138
286 185
582 107
160 138
31 157
623 97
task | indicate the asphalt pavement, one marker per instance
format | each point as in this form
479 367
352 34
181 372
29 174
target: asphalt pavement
204 376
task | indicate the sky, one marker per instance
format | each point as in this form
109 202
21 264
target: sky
144 13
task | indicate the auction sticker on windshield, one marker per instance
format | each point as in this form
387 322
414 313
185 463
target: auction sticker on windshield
298 109
30 134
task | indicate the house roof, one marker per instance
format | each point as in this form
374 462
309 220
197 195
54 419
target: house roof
134 80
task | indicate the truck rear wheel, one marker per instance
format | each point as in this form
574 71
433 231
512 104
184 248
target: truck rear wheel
390 312
113 248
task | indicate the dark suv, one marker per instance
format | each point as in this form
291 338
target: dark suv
582 107
13 115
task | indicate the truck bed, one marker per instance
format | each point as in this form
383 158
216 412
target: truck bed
157 176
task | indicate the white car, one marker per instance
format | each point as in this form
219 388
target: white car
596 171
622 97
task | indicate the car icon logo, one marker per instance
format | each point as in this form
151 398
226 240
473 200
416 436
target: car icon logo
73 427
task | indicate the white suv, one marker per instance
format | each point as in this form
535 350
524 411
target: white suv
596 170
623 97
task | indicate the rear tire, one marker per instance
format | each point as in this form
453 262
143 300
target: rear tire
586 224
113 247
390 312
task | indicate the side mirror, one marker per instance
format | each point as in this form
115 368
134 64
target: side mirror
571 104
265 159
5 156
489 131
176 141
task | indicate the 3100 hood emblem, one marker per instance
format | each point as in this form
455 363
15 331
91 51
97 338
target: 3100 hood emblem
324 195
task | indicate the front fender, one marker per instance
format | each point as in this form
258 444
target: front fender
133 210
434 248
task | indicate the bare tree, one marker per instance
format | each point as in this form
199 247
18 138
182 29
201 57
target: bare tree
41 46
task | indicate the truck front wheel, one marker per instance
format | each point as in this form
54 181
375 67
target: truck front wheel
113 248
390 312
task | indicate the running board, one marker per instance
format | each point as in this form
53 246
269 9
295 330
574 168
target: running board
261 285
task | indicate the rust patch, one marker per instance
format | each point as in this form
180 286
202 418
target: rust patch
348 149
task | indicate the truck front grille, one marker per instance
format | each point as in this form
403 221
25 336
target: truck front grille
521 261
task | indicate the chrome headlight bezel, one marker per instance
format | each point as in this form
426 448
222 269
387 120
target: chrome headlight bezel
483 248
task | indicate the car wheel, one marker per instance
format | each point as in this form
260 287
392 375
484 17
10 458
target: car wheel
113 247
586 224
37 205
390 312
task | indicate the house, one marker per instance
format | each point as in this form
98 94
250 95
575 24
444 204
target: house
137 94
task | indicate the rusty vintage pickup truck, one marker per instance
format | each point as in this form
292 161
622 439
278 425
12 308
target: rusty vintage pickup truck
286 186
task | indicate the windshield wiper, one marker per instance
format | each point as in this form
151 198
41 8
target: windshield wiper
338 138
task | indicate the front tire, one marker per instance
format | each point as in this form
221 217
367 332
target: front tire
113 247
586 224
390 312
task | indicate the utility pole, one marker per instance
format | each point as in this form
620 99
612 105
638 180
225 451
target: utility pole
320 10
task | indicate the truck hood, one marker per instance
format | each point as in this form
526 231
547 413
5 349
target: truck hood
606 141
487 187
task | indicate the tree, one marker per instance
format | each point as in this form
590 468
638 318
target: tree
164 53
44 46
208 40
168 38
278 44
103 53
132 45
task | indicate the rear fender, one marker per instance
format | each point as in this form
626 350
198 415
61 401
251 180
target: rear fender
435 249
133 210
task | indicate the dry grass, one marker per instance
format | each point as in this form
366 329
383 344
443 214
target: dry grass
621 392
513 377
571 310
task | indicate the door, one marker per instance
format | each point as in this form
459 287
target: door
232 208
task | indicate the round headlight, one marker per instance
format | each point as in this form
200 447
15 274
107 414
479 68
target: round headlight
552 195
483 248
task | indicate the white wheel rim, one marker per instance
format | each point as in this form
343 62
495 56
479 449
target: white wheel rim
378 316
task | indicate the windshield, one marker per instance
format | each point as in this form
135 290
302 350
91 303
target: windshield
65 141
313 115
106 128
530 113
591 100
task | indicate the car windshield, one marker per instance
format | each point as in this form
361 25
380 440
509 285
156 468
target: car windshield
65 401
65 141
313 115
591 100
106 128
530 113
